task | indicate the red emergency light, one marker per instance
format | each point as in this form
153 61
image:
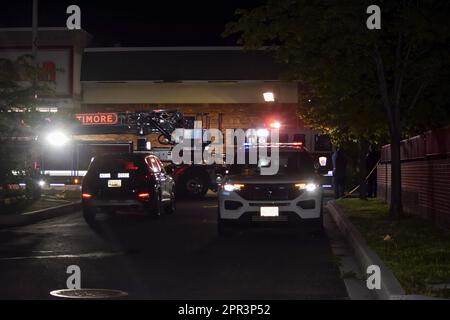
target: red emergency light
275 125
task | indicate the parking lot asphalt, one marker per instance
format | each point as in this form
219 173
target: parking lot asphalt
178 256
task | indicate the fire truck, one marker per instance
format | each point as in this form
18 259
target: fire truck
193 178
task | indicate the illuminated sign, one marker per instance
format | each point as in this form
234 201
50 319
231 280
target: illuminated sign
55 67
97 118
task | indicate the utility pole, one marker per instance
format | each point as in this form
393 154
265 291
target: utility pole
34 33
34 41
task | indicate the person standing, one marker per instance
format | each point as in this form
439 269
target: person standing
372 158
339 172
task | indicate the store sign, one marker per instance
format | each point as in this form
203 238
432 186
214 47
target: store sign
97 118
55 67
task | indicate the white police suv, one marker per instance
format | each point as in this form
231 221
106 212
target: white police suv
292 196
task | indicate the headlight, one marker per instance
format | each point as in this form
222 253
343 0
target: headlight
233 187
307 186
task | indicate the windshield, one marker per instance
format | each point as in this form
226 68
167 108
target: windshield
290 163
114 164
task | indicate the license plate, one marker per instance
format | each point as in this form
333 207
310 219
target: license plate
269 212
114 183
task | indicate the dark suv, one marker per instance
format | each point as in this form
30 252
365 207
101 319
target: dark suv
127 183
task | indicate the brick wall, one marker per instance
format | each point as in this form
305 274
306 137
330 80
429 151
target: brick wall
425 176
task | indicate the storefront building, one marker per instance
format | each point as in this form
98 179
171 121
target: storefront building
222 87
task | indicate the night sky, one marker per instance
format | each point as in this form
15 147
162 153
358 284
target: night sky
136 23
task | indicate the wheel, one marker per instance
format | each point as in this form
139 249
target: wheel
159 207
156 209
195 185
171 208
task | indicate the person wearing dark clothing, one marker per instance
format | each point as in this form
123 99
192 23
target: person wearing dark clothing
372 158
339 172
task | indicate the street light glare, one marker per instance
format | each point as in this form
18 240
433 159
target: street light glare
269 97
57 138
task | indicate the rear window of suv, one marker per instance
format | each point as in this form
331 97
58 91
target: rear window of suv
117 164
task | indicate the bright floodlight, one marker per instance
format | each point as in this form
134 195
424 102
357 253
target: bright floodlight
269 97
57 138
41 183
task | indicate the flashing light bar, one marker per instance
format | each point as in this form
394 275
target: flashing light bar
275 125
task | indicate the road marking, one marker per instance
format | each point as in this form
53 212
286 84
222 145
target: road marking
88 293
214 206
92 255
66 225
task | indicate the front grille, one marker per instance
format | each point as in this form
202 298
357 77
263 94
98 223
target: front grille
269 192
268 204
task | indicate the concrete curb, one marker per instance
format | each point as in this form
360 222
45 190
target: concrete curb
15 220
390 287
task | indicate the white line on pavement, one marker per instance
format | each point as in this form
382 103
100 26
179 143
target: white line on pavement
92 255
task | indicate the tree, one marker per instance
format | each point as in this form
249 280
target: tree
18 92
352 72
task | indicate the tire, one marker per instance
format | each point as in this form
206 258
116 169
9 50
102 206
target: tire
195 185
171 208
158 210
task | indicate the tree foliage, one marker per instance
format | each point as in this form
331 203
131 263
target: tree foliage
354 82
327 46
19 91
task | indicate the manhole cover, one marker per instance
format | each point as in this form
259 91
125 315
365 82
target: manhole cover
88 293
